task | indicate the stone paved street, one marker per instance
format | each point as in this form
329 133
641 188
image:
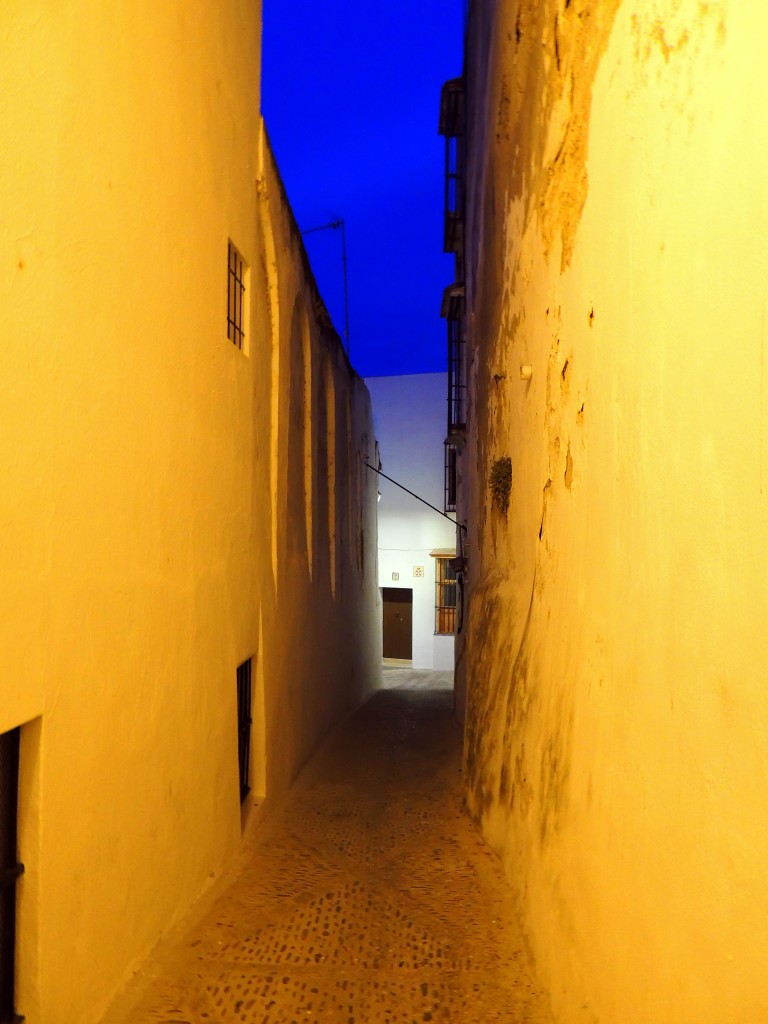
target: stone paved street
368 897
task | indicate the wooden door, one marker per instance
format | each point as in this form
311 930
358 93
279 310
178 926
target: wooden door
398 619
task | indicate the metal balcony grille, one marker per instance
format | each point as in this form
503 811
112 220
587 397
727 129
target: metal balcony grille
244 726
453 215
449 504
453 310
445 597
10 869
452 127
236 297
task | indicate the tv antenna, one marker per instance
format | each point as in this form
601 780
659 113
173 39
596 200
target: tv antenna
335 225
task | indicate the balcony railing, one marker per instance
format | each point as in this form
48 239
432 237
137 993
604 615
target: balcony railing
453 311
452 127
451 477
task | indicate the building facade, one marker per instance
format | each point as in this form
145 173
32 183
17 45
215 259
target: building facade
615 479
416 544
188 529
453 308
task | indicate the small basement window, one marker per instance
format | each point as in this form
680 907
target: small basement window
236 298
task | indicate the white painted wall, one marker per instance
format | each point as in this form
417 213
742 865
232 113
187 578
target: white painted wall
410 420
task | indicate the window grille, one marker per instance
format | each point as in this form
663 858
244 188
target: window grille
244 726
452 127
456 386
236 297
450 477
10 869
445 596
453 311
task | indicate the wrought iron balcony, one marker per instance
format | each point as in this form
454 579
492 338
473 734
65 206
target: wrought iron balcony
451 477
453 311
452 127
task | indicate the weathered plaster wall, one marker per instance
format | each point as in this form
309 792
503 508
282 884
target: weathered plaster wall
410 418
617 740
154 477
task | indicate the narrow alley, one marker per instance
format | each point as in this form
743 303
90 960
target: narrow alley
369 897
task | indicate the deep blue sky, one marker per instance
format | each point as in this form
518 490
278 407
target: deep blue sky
351 97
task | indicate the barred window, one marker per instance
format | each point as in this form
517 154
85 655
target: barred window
449 503
244 726
236 297
445 596
452 127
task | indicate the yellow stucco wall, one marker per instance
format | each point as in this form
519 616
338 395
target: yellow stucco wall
617 741
320 617
148 477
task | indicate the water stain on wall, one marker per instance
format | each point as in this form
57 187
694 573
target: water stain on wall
547 55
543 111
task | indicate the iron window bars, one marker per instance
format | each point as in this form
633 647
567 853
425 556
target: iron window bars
449 503
452 127
236 297
453 311
445 596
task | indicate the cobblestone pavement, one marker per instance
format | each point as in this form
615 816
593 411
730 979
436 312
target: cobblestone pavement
368 897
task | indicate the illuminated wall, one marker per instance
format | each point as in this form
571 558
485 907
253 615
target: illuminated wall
617 743
409 415
157 480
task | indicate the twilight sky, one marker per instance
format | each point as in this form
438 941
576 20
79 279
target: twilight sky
351 97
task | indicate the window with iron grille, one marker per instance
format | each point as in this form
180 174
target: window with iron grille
236 297
445 596
453 311
452 127
10 869
244 726
450 477
456 386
